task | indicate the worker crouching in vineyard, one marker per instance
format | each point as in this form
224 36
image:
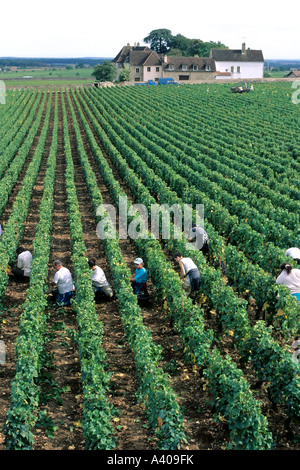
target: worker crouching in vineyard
200 237
294 253
23 265
99 281
139 280
190 273
64 284
290 277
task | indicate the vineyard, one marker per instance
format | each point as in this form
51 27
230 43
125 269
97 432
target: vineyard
215 374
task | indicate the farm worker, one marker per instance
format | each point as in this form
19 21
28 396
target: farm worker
189 272
201 236
140 277
290 277
251 88
99 281
23 267
64 283
294 253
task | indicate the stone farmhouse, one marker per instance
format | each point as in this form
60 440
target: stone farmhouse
145 64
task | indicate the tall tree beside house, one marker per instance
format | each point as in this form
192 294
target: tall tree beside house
105 72
159 40
180 42
202 48
163 42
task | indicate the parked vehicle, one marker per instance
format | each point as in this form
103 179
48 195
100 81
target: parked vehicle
241 89
161 81
167 81
149 82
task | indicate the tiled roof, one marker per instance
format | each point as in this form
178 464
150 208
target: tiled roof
236 55
152 59
189 62
225 74
137 55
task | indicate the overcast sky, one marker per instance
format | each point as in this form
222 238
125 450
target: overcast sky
100 28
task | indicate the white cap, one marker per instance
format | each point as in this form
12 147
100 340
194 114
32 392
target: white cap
138 261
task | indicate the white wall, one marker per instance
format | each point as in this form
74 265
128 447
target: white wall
152 75
247 69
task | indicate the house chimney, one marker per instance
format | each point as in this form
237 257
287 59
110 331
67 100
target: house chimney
244 48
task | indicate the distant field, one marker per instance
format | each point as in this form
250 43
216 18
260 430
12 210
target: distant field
46 76
278 74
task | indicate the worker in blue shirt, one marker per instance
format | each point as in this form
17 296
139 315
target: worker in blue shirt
140 276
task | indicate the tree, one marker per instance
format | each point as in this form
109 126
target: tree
159 40
163 42
198 48
105 72
181 43
124 75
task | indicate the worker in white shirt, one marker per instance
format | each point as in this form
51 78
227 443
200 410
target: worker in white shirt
189 272
64 284
290 277
199 235
23 264
294 253
99 281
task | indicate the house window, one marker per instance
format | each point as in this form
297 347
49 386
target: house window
137 70
148 69
207 68
157 69
195 67
238 69
184 67
232 69
171 67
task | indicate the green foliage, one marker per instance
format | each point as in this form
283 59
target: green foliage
251 212
154 390
162 41
233 400
22 414
124 75
97 410
159 40
188 319
105 72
